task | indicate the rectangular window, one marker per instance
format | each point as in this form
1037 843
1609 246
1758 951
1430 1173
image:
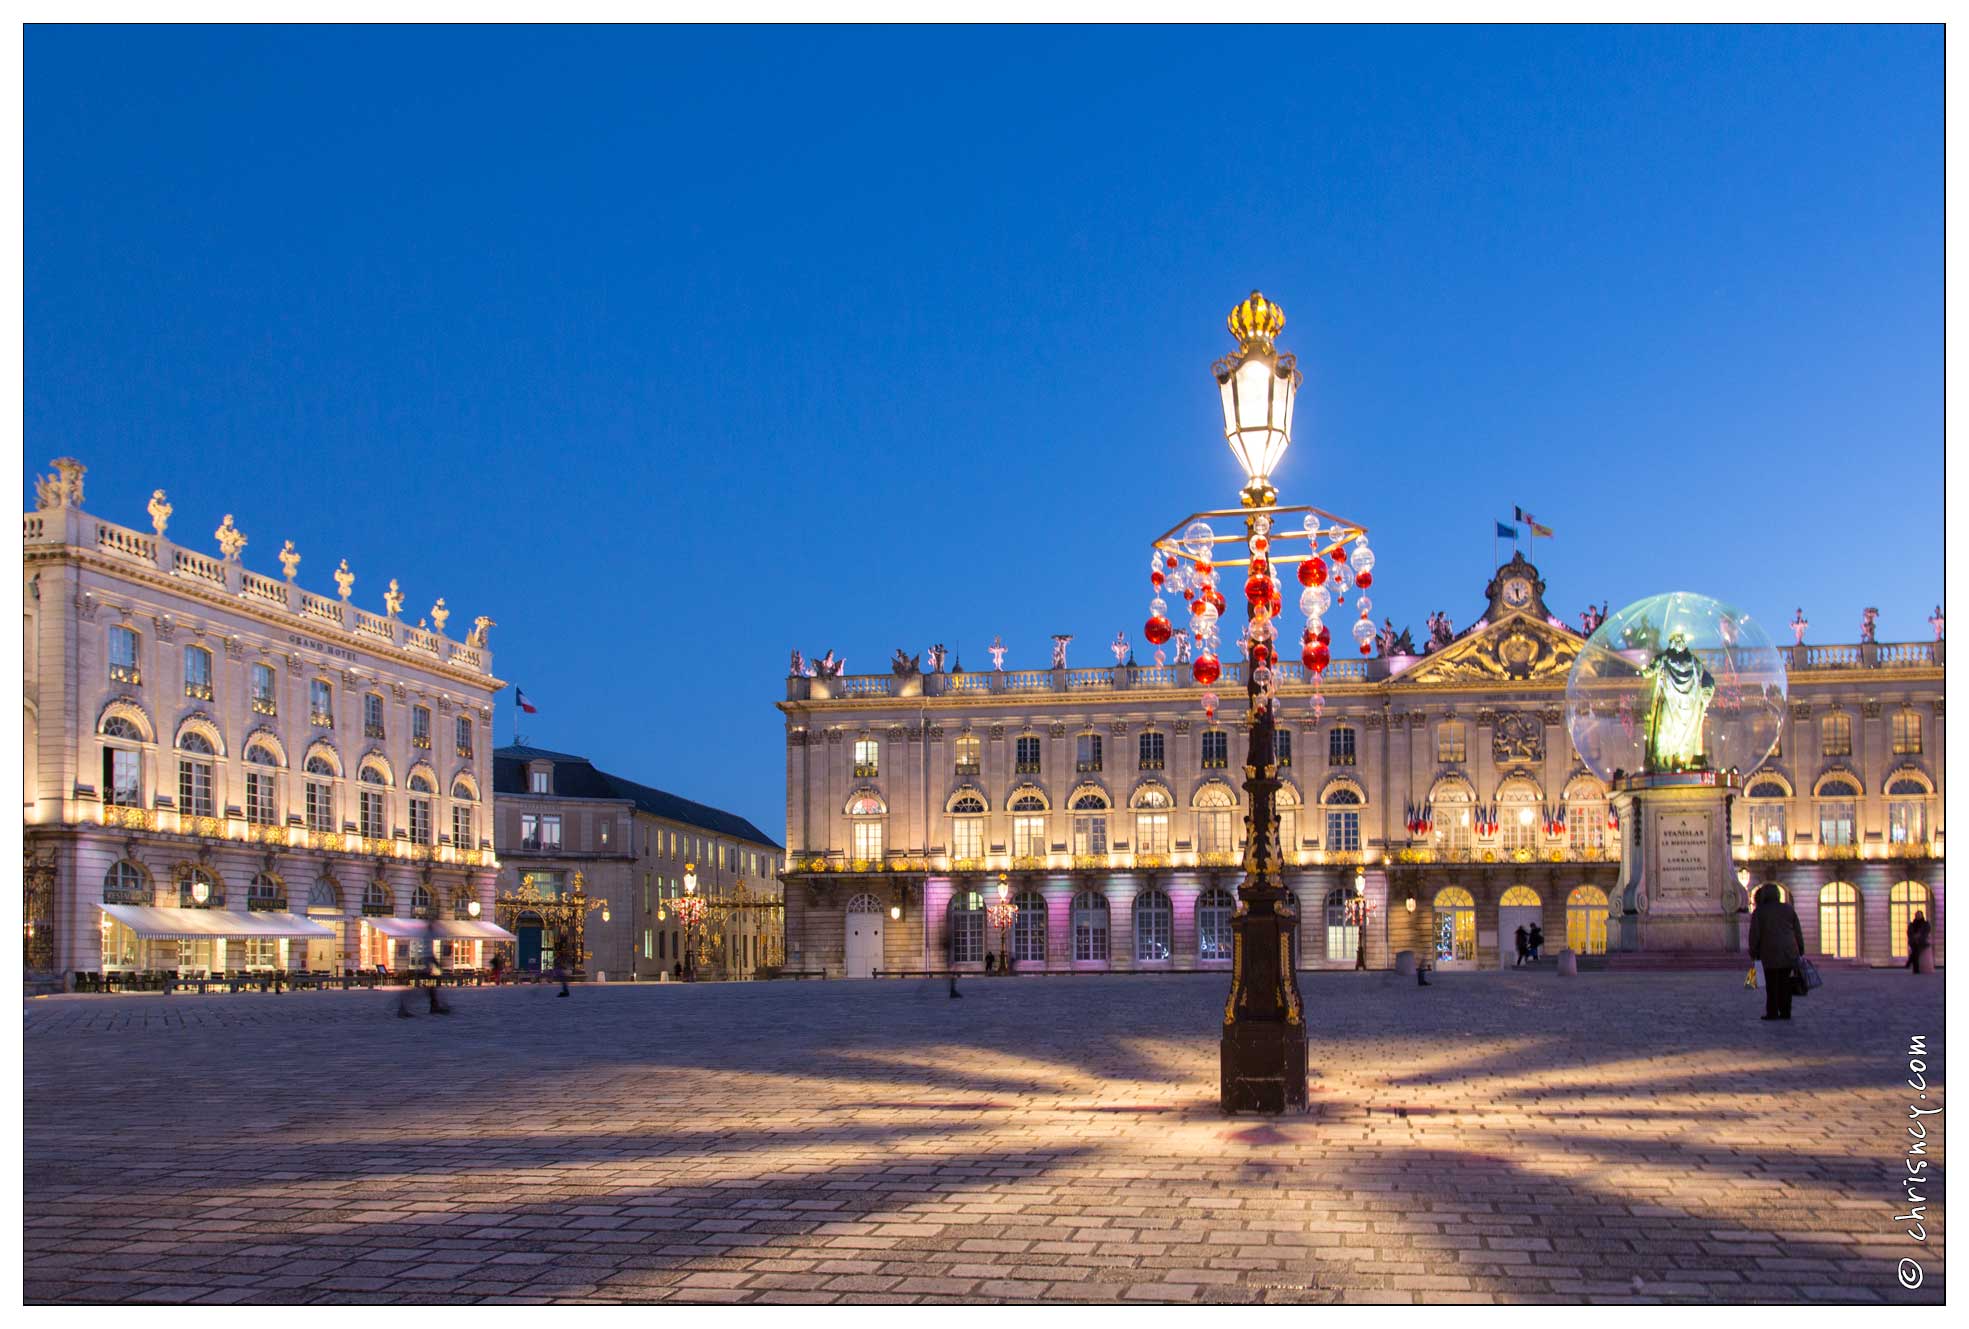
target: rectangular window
1148 751
1087 753
603 828
420 821
1343 832
320 806
649 943
550 831
372 715
1586 826
1151 832
1340 746
649 902
1288 834
1907 735
967 837
123 656
1090 833
373 823
529 830
195 788
1836 823
1025 756
868 763
461 826
1216 749
1282 747
867 839
966 752
1907 823
1213 832
321 703
198 673
420 726
1836 736
264 702
1767 824
1029 836
462 735
123 778
1449 741
540 782
259 799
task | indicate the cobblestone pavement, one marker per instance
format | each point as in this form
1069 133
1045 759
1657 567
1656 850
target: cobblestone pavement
1496 1137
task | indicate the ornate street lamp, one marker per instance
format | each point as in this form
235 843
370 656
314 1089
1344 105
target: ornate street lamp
689 909
1001 914
1360 909
1262 1056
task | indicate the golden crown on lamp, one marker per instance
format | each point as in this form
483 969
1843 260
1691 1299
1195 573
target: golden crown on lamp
1256 320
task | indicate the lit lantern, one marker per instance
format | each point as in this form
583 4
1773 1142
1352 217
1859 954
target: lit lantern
1258 387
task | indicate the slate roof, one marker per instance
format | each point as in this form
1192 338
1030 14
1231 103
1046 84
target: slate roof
577 777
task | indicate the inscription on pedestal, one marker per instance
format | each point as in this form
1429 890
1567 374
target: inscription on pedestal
1682 859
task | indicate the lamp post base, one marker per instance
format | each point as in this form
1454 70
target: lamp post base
1262 1067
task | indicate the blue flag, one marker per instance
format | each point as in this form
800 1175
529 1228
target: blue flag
1506 532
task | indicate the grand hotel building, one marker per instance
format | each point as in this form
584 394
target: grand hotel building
1112 806
226 772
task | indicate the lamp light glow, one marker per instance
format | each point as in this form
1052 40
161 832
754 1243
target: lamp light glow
1259 388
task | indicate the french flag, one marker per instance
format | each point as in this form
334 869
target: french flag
524 704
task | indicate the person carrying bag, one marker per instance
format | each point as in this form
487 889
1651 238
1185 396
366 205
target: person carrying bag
1777 940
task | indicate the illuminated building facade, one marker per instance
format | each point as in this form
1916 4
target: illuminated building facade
1444 783
560 818
226 772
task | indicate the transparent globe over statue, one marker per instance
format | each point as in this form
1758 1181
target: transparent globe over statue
1676 683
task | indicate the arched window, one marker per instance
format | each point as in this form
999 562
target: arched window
371 811
1028 822
1836 735
463 795
1586 921
1288 823
1517 815
967 927
123 762
319 792
1839 920
1340 745
1905 900
1456 925
1029 928
421 903
199 889
1155 925
376 900
1343 935
1766 802
1907 809
125 883
195 774
1343 819
1452 803
421 791
324 896
1090 927
1837 811
261 807
864 904
865 813
266 893
1215 812
1907 736
1213 925
967 826
117 726
1586 816
1090 822
1151 803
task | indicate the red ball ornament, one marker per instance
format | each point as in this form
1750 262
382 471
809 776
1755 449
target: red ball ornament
1317 659
1363 579
1260 567
1326 636
1205 669
1155 580
1367 648
1259 544
1261 654
1257 589
1339 554
1312 572
1306 654
1157 630
1205 566
1169 561
1217 598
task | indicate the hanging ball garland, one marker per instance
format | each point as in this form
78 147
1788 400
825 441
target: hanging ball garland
1158 630
1312 572
1205 669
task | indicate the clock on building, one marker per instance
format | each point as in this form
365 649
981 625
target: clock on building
1516 589
1517 592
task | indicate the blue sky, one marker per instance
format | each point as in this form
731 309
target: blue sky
672 350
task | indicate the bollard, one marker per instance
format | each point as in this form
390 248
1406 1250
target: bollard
1404 963
1568 964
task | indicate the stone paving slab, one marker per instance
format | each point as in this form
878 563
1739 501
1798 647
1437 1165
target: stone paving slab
1492 1138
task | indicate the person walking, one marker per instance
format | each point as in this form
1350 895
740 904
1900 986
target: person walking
1776 941
1524 945
1918 933
991 962
1537 940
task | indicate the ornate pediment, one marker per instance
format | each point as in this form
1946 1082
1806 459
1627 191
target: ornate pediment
1516 648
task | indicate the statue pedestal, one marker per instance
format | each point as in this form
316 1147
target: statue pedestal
1678 889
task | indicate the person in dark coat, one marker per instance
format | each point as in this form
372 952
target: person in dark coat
1524 944
1918 932
1537 939
1777 941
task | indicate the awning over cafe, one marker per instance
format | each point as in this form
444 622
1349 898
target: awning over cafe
159 922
